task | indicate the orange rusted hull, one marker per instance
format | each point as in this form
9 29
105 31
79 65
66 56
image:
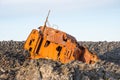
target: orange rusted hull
56 45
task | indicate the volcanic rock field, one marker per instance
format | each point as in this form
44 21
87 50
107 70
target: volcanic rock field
15 65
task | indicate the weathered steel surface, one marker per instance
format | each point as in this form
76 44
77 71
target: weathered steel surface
57 45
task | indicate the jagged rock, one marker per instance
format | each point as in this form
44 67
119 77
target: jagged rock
14 64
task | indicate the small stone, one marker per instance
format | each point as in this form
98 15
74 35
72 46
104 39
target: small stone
3 76
1 69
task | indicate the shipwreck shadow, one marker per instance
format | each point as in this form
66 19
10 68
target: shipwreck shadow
112 56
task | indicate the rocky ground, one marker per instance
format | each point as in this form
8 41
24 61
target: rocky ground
14 64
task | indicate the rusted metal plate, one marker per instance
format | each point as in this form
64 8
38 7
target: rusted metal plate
57 45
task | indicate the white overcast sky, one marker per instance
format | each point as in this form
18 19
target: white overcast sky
87 20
